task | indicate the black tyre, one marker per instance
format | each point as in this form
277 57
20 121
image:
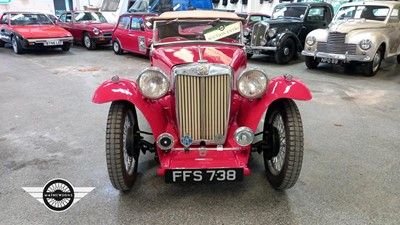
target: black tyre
88 42
2 43
122 147
284 157
373 66
249 55
65 48
16 44
286 52
398 59
311 62
117 47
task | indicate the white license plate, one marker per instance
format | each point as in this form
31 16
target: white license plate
52 43
328 60
203 175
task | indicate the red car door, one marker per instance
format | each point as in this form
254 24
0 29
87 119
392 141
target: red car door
136 33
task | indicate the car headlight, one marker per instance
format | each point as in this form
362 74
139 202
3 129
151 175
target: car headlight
365 44
252 83
271 32
310 40
263 41
96 31
153 83
246 32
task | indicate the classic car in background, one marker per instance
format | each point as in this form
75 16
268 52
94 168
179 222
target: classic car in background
30 30
362 32
203 106
283 36
133 34
89 28
252 18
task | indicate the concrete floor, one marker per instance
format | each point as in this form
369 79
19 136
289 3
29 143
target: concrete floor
50 129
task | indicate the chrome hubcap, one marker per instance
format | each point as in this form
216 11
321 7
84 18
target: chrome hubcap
275 165
14 44
286 51
116 47
376 61
128 161
87 41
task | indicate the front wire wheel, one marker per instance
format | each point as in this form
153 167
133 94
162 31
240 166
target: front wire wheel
284 158
122 151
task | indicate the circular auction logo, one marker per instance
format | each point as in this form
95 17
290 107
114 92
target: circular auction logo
58 195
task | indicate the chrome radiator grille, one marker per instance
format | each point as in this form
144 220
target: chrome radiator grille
202 105
336 45
259 31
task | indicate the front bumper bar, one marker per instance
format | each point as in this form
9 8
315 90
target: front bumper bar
342 57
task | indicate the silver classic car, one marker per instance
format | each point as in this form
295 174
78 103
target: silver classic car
361 32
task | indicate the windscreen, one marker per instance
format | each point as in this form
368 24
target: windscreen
23 19
368 12
204 30
292 12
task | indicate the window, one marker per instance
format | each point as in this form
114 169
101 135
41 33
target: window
110 5
63 17
394 16
124 23
254 19
136 22
68 17
316 14
4 20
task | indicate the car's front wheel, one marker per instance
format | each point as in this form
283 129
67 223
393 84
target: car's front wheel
2 43
286 51
398 59
283 133
16 44
122 145
88 42
311 62
373 66
117 47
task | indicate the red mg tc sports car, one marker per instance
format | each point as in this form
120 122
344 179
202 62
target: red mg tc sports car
203 106
89 28
28 30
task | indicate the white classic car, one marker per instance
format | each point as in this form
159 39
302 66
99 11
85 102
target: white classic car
362 32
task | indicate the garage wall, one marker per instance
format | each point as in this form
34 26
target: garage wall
35 5
252 6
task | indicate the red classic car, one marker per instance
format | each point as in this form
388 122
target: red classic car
89 28
29 30
203 106
132 34
252 18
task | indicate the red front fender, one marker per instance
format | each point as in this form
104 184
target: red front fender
127 90
251 111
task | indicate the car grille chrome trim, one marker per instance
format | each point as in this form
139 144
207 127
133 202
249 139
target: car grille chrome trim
259 31
203 101
336 44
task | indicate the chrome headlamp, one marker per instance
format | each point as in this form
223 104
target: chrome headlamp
246 32
153 83
96 31
263 41
365 44
271 32
252 83
310 40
